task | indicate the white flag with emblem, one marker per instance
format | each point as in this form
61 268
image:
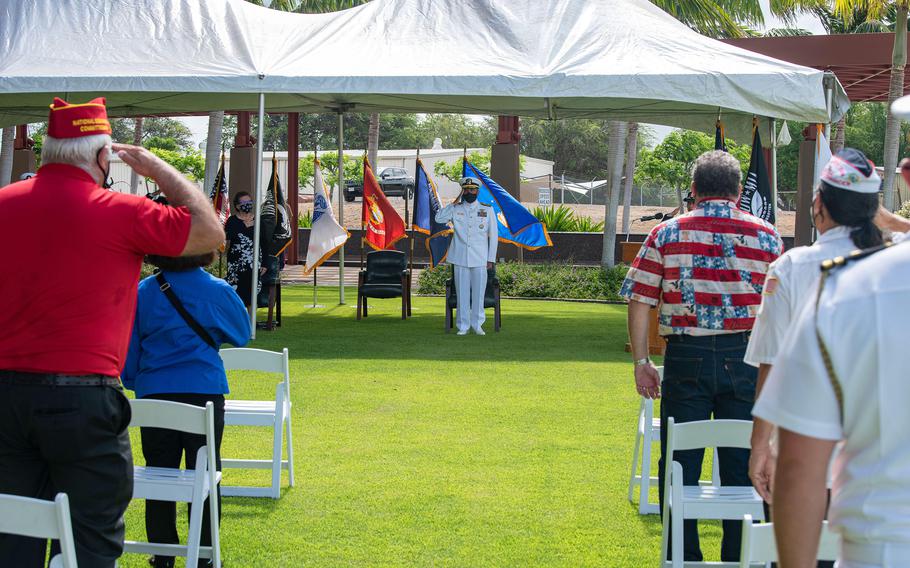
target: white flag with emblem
326 235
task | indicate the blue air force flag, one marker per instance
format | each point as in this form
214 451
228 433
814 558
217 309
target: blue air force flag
326 235
426 205
516 224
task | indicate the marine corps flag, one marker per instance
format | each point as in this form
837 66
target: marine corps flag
326 235
382 225
219 194
426 205
756 197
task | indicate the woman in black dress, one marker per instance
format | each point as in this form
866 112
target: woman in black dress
238 231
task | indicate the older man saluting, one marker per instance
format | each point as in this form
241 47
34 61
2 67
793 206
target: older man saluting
706 270
73 252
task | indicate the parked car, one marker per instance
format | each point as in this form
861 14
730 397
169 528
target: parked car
394 182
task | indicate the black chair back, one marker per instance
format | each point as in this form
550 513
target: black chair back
385 267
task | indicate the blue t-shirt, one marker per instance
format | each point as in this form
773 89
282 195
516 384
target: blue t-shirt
165 354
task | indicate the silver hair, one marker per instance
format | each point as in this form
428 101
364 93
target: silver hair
81 152
716 174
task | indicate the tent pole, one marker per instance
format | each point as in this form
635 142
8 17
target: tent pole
341 203
256 216
773 125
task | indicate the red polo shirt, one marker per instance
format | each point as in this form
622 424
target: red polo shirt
72 253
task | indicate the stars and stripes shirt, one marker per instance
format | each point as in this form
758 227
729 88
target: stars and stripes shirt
706 269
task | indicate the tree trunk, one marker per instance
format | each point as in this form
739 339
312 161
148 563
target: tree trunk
615 156
6 155
631 158
896 90
373 140
838 143
213 149
137 141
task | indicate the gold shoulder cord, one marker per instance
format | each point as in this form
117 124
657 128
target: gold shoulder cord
827 267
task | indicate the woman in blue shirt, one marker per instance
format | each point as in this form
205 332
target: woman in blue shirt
168 360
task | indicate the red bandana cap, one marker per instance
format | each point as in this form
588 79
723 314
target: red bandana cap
74 121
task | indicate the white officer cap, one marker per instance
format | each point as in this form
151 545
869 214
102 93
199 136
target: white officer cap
851 170
901 108
469 183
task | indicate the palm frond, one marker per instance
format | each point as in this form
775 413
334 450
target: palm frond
715 18
787 32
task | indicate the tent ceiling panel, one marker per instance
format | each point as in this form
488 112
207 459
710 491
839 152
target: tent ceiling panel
622 59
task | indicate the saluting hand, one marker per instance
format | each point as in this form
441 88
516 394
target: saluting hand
140 160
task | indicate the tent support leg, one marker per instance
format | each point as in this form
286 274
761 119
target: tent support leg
257 199
341 204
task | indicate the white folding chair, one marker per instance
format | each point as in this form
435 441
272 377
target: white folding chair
272 413
700 501
180 485
647 434
38 518
760 548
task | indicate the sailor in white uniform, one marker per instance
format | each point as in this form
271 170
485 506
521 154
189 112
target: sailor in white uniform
472 252
841 375
843 210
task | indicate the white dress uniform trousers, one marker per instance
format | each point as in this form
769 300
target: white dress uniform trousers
473 246
862 318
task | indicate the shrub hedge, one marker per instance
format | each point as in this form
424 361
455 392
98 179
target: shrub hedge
541 281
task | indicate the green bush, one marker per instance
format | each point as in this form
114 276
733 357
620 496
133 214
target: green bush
540 281
305 220
587 225
555 218
904 211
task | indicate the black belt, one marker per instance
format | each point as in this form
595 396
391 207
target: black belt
23 378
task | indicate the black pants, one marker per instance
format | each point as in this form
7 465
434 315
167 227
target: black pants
705 377
72 440
165 448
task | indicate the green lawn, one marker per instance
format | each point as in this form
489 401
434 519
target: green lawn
416 448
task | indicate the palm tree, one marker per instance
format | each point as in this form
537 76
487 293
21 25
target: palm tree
714 18
852 12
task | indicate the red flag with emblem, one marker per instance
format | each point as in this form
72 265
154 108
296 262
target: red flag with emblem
382 225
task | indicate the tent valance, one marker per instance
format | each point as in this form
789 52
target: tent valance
619 59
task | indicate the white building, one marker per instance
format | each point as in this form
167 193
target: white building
539 170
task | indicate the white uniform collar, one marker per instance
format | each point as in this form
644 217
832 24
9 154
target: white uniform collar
833 234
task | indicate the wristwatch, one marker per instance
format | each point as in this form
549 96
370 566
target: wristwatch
640 362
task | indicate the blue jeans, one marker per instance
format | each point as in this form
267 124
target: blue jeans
705 377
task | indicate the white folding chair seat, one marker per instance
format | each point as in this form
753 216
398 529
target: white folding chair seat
759 547
703 502
270 413
38 518
180 485
648 433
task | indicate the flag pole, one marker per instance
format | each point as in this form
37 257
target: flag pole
363 204
411 226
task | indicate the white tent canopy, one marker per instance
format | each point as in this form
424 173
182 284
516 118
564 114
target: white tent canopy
621 59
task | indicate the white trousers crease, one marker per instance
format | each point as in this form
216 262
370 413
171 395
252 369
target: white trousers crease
470 286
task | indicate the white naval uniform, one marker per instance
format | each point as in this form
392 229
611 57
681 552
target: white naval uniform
476 236
862 318
791 283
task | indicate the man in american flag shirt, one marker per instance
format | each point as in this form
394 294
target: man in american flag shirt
705 270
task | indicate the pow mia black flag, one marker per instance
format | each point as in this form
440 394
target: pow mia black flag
756 198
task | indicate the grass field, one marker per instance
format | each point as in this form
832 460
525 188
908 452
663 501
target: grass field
414 447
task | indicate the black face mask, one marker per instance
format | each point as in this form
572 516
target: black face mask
106 181
470 197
